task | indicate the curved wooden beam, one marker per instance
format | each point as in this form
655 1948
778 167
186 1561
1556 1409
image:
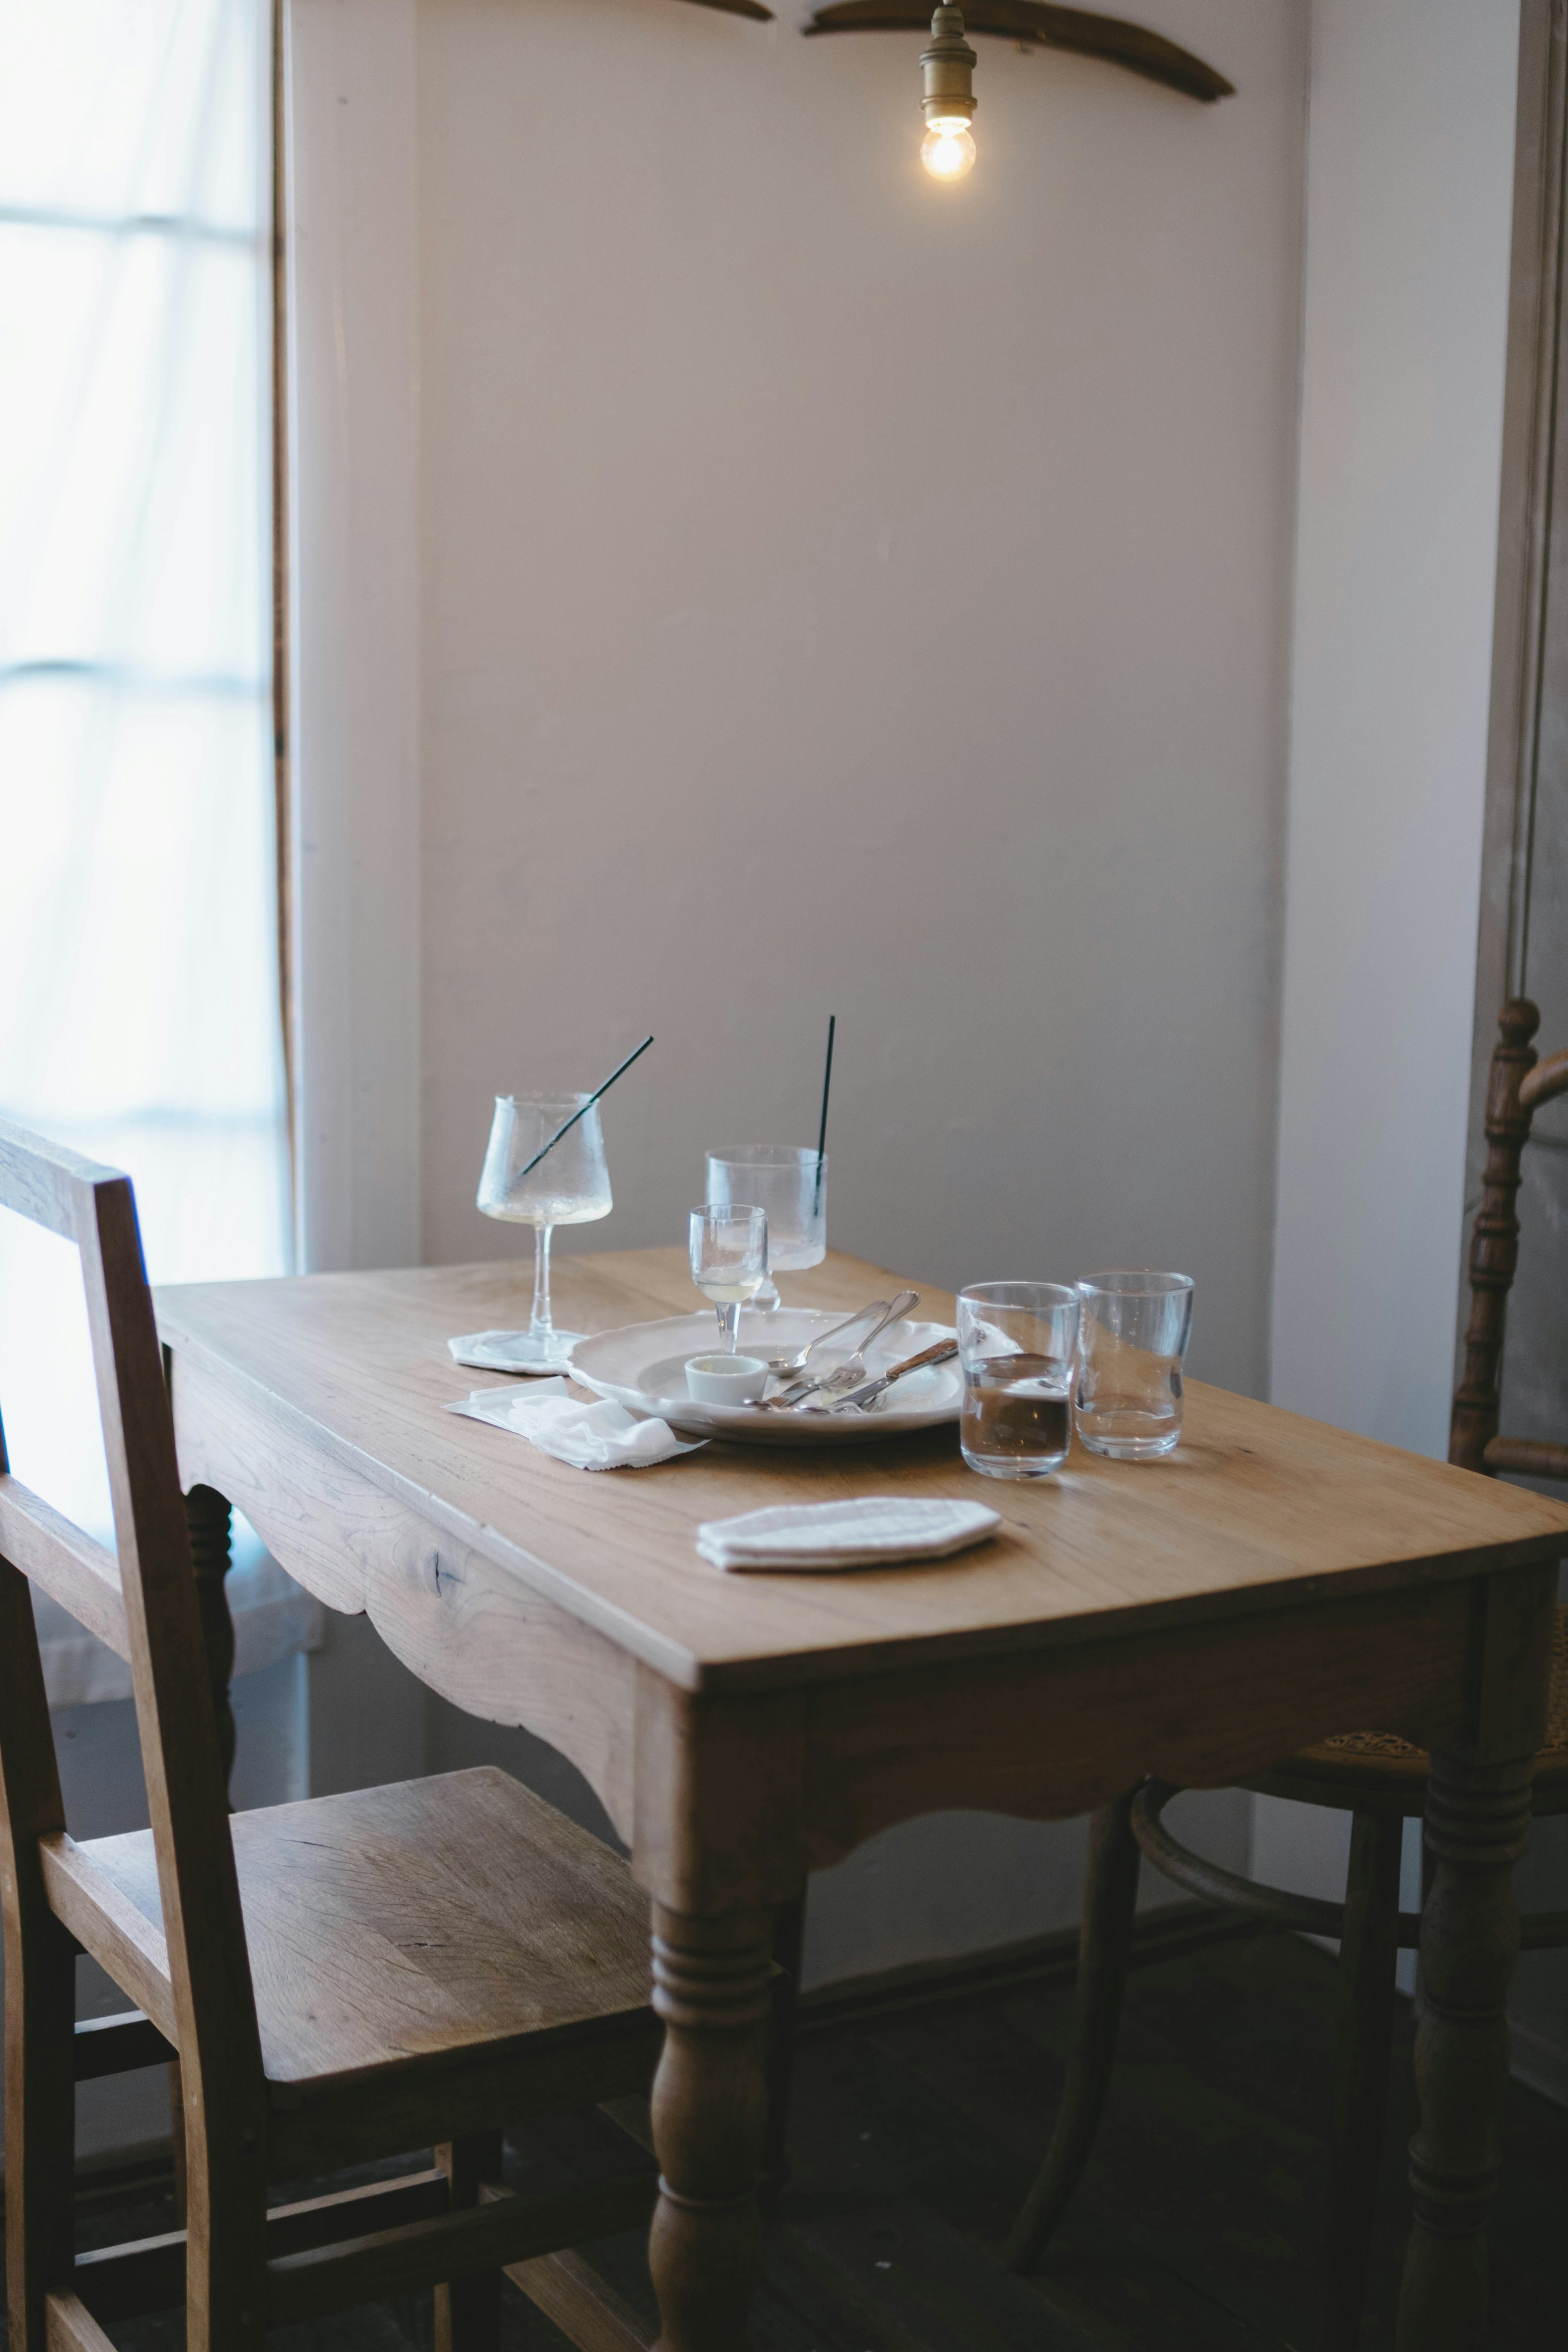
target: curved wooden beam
1037 24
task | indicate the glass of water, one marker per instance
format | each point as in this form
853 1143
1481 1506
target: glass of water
1135 1329
1016 1342
729 1262
790 1183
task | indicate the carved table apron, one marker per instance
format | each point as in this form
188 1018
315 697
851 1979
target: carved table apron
1273 1582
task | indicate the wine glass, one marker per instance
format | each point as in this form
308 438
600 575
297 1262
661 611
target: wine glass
790 1183
729 1262
571 1186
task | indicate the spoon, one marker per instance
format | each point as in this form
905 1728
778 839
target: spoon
802 1356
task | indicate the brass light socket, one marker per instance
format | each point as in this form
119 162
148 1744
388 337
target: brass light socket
949 65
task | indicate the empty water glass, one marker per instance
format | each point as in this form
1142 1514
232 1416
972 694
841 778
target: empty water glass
1133 1335
790 1183
1015 1343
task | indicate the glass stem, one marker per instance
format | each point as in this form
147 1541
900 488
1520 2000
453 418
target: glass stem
729 1314
541 1328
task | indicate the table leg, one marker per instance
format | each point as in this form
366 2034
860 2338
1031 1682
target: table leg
711 1983
1478 1819
209 1518
789 1944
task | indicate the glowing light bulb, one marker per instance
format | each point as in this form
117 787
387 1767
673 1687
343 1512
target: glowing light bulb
947 151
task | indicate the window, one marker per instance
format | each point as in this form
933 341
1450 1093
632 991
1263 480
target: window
138 996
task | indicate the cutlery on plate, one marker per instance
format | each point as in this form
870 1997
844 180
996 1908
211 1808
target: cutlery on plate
852 1371
802 1356
859 1399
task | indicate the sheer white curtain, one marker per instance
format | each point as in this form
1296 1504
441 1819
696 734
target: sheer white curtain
139 1013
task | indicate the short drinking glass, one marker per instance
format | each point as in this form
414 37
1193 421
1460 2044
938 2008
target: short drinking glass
729 1261
1015 1342
790 1183
1135 1330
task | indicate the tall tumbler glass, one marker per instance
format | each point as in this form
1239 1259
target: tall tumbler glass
1134 1334
790 1183
1015 1343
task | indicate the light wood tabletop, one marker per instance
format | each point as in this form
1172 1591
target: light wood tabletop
1270 1583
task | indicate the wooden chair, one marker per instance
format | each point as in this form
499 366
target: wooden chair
339 1980
1379 1780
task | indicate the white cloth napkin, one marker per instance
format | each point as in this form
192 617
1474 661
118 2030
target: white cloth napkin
595 1437
873 1531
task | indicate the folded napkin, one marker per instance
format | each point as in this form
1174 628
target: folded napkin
872 1532
497 1351
596 1437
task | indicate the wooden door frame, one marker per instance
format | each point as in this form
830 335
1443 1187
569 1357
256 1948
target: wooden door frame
1531 401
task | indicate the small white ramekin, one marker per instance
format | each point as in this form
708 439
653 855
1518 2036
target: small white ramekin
725 1380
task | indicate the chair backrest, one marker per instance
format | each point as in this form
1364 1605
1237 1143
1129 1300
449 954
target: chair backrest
1518 1085
142 1599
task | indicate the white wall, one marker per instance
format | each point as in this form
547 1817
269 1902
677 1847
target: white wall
1408 213
1409 197
845 594
353 379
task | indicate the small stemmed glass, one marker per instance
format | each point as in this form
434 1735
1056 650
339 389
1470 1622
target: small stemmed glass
729 1262
571 1186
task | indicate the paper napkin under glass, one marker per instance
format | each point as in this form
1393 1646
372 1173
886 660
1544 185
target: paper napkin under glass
874 1531
593 1436
493 1351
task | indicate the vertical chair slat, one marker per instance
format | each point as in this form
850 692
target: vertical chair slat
209 1964
40 1983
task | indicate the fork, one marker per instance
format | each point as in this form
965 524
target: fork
852 1371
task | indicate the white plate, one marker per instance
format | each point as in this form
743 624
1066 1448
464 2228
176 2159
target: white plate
643 1367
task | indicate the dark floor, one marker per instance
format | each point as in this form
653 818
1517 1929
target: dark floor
914 2137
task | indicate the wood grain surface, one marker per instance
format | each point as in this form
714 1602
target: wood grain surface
345 1376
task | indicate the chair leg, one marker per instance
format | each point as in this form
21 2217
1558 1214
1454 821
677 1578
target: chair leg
40 2125
177 2138
789 1938
467 2312
1111 1894
1369 1951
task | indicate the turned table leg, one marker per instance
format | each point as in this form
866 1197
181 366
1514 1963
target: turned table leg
1477 1818
789 1944
209 1518
210 1521
711 1983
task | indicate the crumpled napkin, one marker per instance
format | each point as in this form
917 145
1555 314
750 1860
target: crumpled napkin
872 1531
595 1436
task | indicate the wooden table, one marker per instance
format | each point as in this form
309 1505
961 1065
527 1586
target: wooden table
1272 1583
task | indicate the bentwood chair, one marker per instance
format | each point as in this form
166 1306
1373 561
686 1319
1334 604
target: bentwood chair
340 1979
1379 1780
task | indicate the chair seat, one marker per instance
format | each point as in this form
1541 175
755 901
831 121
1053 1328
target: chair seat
1365 1770
409 1923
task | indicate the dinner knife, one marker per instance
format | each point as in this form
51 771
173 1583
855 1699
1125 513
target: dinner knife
861 1397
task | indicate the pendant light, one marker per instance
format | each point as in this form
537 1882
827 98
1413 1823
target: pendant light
947 149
